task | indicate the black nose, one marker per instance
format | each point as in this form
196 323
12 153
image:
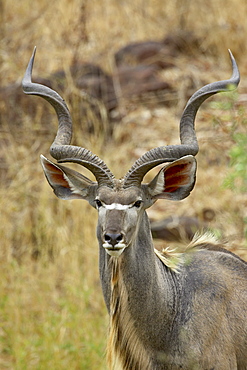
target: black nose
113 239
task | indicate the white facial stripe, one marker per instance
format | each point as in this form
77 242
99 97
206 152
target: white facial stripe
116 251
118 206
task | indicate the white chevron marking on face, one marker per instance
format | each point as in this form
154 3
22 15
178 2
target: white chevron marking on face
118 206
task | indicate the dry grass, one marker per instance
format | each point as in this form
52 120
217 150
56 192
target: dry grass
51 308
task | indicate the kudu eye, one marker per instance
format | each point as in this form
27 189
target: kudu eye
137 204
98 203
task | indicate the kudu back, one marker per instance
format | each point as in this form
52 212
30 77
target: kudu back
191 316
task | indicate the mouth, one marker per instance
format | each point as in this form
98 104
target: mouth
115 251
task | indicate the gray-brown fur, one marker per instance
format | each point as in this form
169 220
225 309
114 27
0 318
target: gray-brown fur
194 318
124 346
164 315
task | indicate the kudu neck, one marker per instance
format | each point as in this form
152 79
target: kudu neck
138 266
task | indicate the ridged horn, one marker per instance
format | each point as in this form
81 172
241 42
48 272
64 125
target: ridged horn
189 145
61 149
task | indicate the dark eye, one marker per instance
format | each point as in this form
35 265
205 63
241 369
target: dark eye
138 203
98 203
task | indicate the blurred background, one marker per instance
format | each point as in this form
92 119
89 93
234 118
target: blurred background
126 69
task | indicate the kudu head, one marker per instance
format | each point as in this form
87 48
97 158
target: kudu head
121 203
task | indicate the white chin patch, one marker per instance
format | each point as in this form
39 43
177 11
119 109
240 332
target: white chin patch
115 251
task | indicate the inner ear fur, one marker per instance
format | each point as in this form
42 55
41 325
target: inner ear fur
67 183
174 181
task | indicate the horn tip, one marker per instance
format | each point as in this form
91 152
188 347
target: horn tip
27 79
235 72
34 52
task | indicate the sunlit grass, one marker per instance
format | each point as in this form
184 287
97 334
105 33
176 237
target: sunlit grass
46 318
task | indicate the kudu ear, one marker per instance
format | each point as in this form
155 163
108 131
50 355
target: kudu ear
67 183
175 181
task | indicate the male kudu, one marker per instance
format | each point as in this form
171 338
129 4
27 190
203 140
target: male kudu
191 317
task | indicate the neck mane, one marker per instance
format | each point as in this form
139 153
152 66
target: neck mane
124 346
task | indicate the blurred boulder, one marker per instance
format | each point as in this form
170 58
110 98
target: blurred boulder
145 52
90 78
177 228
91 93
139 80
12 99
182 42
85 108
14 105
162 53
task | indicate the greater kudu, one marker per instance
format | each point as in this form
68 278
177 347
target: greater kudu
189 317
